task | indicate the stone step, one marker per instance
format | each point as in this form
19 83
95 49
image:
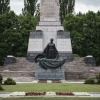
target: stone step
51 23
17 73
21 79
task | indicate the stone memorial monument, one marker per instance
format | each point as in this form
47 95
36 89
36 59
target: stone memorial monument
49 27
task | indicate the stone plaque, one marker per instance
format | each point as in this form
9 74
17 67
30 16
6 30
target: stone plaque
35 42
64 45
64 42
35 45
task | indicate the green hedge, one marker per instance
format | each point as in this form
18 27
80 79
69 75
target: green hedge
1 87
89 81
98 78
9 81
75 55
1 79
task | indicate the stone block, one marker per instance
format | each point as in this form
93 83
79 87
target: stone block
63 41
31 55
49 10
9 60
64 45
90 60
50 74
35 41
50 23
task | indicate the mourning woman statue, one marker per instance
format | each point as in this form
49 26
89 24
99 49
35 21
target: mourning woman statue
50 51
49 59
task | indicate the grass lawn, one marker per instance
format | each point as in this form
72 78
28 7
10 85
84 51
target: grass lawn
51 99
54 87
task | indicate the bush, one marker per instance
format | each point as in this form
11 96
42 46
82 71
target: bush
1 88
9 81
1 79
75 55
98 78
89 81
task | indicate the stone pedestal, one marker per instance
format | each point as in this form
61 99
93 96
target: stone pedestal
9 60
49 74
90 60
35 45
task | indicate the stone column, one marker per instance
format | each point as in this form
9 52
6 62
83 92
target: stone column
49 10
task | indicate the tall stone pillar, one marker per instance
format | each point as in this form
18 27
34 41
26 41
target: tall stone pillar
49 10
49 27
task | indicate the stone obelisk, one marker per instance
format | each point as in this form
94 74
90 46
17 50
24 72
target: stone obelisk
49 27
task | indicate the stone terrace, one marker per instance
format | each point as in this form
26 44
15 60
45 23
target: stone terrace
77 69
25 71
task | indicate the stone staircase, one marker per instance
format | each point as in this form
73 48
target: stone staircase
23 70
77 69
21 65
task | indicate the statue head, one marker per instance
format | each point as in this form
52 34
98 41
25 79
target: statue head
51 40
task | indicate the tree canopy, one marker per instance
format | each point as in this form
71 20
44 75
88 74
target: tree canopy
66 7
29 7
85 33
4 6
14 34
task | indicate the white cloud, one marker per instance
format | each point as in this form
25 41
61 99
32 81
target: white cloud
81 7
95 3
17 6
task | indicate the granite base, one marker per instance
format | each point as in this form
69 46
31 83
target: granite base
49 74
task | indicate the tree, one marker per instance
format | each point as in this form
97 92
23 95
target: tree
85 33
29 7
37 10
66 6
1 79
14 34
4 6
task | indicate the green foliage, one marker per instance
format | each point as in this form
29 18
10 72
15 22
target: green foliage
4 6
9 81
29 7
1 79
89 81
38 11
66 7
98 78
54 87
1 87
85 33
75 55
14 34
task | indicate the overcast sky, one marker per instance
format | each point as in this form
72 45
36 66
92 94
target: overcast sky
80 6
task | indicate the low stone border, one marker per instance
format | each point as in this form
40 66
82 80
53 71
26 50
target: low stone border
35 93
49 94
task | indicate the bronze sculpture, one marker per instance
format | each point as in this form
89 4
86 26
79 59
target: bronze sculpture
50 51
49 59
